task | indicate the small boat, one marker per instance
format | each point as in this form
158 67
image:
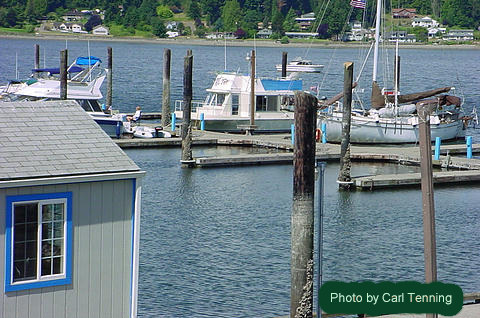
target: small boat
86 79
227 105
301 65
146 132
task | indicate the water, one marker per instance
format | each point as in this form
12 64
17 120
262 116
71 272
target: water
216 242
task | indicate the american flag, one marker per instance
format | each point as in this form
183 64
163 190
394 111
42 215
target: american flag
358 3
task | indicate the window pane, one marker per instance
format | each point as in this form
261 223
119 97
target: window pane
19 251
19 214
46 266
31 251
31 269
47 211
46 248
18 270
32 229
46 231
58 212
32 212
19 233
57 265
58 230
58 247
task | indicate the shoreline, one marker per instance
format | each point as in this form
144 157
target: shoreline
230 43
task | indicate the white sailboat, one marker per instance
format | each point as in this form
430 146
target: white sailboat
392 118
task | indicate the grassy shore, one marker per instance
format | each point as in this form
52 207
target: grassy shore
198 41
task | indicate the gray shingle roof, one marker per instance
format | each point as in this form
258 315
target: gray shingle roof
55 138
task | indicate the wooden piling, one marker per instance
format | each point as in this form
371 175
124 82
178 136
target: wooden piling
37 56
252 93
167 53
108 101
63 73
429 241
344 178
301 294
284 64
187 158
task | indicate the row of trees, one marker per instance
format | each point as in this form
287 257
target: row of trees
232 15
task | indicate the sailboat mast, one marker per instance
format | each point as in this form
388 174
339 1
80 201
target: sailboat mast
377 39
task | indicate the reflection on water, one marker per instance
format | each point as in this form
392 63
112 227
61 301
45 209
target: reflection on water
216 242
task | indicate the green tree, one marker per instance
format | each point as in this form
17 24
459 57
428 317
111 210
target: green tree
421 34
158 27
456 13
231 15
277 22
193 10
164 12
3 18
212 8
30 10
335 19
289 24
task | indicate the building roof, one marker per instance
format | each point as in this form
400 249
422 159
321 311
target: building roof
55 138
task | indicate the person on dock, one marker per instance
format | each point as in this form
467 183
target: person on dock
136 116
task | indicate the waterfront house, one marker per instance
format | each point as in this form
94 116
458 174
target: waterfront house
305 21
459 35
100 30
264 33
301 35
425 22
73 15
400 36
404 13
69 215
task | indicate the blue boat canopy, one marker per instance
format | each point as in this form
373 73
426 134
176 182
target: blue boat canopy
56 70
87 60
281 85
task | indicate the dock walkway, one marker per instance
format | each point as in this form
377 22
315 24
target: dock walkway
457 168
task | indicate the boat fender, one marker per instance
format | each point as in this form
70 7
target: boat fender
318 134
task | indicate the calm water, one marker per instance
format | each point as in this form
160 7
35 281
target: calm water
216 242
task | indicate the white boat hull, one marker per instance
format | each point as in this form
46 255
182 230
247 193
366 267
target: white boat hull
370 131
302 68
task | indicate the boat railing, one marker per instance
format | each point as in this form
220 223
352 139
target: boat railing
179 104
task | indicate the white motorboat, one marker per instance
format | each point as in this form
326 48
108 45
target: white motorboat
84 86
227 105
392 117
301 65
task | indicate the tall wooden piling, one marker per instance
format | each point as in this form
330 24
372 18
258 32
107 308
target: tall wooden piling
63 74
37 56
187 159
301 294
167 54
108 101
429 240
344 178
284 64
252 93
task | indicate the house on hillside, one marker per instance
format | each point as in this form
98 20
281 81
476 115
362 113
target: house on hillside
425 22
434 32
400 36
100 30
305 21
356 33
73 15
404 13
70 214
459 35
264 33
301 35
68 27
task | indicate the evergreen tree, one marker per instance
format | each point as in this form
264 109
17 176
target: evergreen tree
277 22
212 8
231 15
456 13
193 10
30 10
335 19
289 24
158 27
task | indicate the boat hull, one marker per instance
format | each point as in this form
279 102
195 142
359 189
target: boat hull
112 127
389 133
238 125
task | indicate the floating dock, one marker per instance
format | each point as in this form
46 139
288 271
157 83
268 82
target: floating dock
458 169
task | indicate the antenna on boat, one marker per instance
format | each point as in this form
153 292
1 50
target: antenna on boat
16 65
225 51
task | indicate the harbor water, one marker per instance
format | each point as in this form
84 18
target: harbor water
216 242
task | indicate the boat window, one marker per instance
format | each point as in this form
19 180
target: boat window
267 104
95 105
85 105
235 102
220 99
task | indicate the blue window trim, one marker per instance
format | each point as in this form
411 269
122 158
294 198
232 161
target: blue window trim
10 200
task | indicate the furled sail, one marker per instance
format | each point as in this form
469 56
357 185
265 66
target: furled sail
378 100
